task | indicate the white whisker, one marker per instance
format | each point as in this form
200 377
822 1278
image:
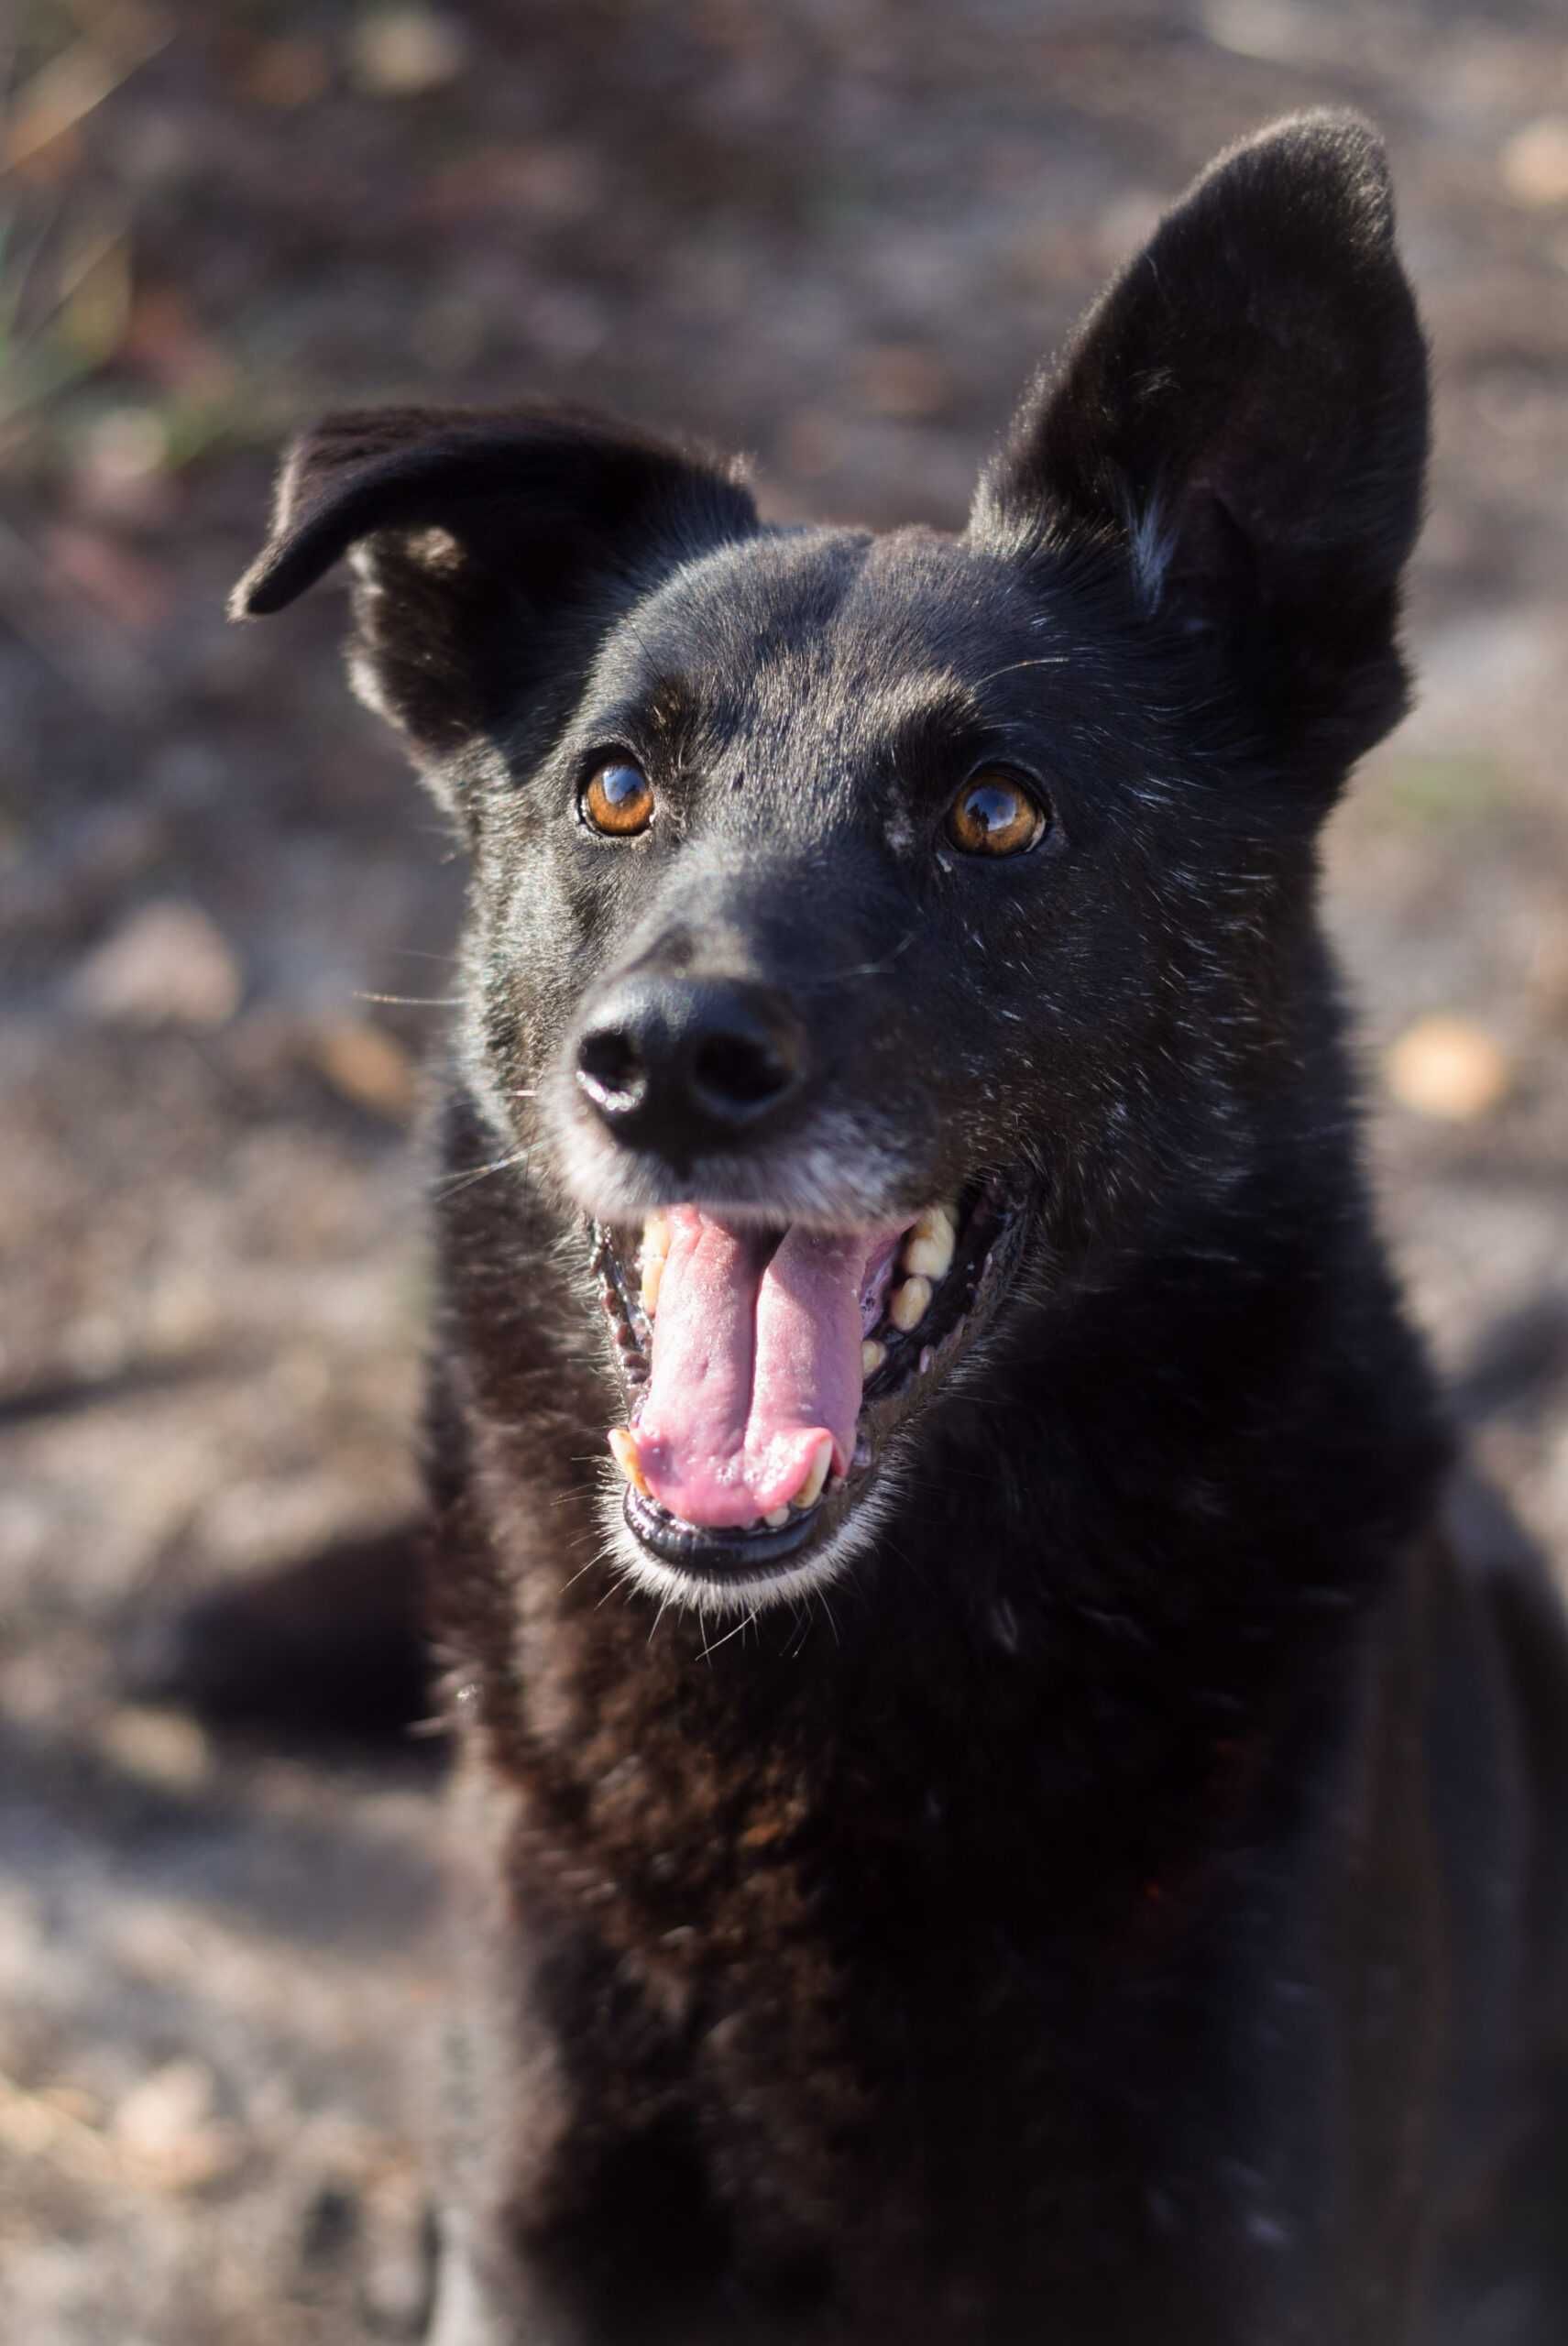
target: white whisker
413 1000
464 1180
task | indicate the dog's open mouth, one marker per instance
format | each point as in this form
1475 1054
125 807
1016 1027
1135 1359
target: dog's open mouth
764 1367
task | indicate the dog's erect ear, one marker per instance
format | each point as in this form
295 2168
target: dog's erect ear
481 542
1242 421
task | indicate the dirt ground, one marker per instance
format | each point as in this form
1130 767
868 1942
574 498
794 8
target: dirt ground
837 233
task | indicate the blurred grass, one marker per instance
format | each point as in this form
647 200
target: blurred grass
65 300
69 313
65 261
111 382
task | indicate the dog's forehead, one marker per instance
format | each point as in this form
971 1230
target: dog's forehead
834 630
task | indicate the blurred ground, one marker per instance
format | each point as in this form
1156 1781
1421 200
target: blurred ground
838 232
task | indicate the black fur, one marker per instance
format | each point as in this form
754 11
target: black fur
1124 1898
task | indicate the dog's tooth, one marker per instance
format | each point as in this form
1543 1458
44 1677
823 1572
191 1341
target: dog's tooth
816 1476
656 1237
872 1356
623 1450
928 1259
655 1249
928 1249
928 1360
776 1517
907 1308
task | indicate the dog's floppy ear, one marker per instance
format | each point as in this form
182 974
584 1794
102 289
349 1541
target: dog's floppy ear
481 543
1242 421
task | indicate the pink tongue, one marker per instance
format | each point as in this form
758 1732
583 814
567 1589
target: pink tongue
753 1365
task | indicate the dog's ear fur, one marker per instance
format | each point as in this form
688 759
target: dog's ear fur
1241 421
480 541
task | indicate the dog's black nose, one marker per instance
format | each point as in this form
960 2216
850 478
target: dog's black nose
684 1064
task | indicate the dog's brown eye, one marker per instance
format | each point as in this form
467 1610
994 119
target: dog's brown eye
994 815
618 800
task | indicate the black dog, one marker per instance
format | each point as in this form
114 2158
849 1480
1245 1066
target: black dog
1047 1844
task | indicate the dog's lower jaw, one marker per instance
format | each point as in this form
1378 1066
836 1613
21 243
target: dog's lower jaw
735 1591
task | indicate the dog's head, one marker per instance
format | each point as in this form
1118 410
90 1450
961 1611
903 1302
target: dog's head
871 936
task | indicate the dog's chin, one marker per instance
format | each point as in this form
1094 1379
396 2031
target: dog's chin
733 1581
801 1547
